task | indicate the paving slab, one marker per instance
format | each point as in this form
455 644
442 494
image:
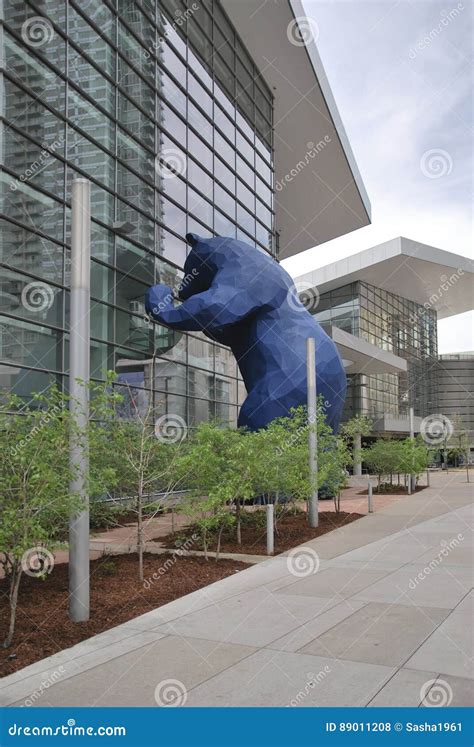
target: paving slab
378 633
335 583
403 690
149 676
280 678
449 650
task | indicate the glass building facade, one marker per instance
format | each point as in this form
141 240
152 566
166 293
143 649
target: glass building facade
159 105
395 324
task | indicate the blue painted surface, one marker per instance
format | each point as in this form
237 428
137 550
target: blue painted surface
242 298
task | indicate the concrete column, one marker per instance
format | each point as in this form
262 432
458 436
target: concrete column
313 518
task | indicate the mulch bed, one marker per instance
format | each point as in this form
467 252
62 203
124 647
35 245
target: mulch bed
43 627
293 530
397 490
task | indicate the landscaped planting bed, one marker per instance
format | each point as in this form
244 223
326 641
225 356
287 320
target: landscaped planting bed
43 627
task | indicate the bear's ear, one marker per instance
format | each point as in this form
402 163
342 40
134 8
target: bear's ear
192 238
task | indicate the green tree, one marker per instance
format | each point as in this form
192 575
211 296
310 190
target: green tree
353 430
35 503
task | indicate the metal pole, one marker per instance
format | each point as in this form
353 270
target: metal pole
428 478
313 518
270 532
370 498
79 405
357 461
411 477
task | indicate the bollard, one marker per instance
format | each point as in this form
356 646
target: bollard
270 528
428 478
370 498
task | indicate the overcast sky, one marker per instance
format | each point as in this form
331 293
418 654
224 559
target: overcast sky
402 78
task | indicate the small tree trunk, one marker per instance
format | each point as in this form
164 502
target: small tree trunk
204 544
238 525
218 546
140 531
13 598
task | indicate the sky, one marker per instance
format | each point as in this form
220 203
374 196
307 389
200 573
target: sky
401 75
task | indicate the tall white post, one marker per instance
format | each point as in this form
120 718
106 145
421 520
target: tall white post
412 436
357 460
313 518
79 371
270 529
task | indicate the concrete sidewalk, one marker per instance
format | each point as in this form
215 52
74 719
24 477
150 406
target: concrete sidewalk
377 613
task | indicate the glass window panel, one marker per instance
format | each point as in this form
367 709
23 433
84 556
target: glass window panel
133 119
245 148
102 202
200 353
169 31
32 73
130 259
101 359
200 42
97 47
263 170
170 378
203 18
199 179
224 201
30 252
263 192
30 345
135 156
27 297
139 57
224 75
175 188
91 159
264 214
199 71
224 101
133 331
245 196
199 151
224 174
40 35
264 236
171 122
138 22
222 120
225 361
172 248
200 95
194 226
245 173
30 116
201 208
199 122
86 116
223 226
171 92
135 87
130 293
102 282
173 216
223 45
246 220
32 164
143 228
224 149
34 209
102 16
91 81
173 64
171 162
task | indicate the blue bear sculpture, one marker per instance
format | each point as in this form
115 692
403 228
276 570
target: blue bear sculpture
239 296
